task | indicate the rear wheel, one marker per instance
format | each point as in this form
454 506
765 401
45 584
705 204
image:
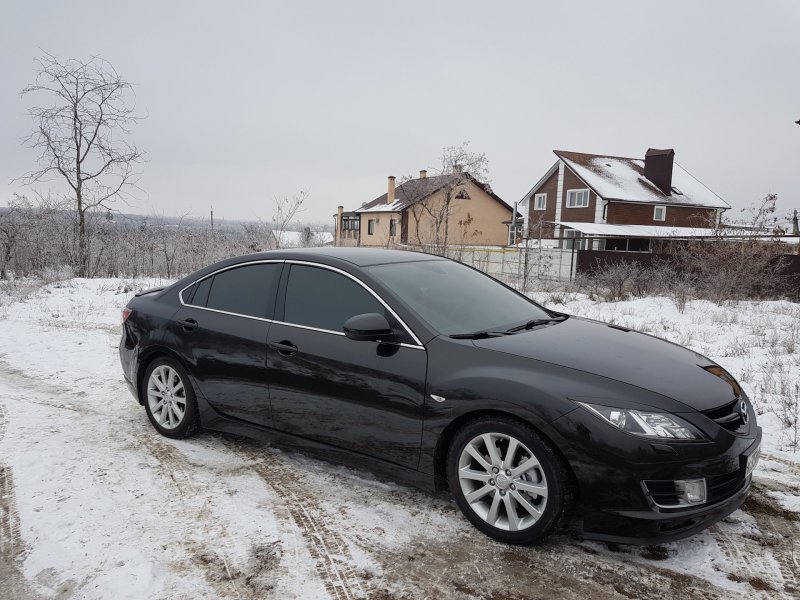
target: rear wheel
507 480
169 399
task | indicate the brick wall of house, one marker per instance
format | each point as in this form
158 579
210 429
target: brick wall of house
621 213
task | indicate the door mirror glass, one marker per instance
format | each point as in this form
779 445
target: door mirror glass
368 327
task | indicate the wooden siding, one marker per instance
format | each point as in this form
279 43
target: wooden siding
622 213
581 215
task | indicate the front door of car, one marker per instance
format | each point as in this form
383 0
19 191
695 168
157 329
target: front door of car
362 396
222 331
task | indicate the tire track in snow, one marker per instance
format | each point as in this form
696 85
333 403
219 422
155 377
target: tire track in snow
327 546
767 556
3 421
193 503
10 537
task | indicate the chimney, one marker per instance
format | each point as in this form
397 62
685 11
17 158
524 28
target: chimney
390 195
795 228
423 174
339 211
457 168
658 168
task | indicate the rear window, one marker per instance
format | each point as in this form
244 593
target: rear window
248 290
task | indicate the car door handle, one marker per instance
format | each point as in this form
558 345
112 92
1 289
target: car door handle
188 324
286 348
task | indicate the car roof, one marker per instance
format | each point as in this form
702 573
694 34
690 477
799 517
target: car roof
362 257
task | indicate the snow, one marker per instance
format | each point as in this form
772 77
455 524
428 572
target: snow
638 230
297 239
98 505
616 178
396 206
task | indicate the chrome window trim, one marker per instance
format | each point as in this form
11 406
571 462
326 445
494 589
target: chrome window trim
366 287
228 268
417 346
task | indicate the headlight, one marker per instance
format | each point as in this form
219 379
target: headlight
654 425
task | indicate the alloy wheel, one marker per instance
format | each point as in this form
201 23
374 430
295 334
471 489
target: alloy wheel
503 481
166 397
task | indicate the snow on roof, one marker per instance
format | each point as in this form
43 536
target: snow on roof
617 178
297 239
396 206
638 230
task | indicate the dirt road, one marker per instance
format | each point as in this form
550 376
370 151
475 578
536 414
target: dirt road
218 516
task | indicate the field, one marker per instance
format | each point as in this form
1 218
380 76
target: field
95 504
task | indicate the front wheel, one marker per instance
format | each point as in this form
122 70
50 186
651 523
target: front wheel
169 399
507 480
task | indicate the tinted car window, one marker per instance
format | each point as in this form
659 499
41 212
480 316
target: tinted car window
246 290
201 292
325 299
455 299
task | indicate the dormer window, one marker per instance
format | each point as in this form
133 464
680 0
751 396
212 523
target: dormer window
660 213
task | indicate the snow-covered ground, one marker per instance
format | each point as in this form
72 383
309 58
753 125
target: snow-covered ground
95 504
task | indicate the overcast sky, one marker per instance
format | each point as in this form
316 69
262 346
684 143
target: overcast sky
248 101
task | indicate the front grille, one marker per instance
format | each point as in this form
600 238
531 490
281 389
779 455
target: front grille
728 416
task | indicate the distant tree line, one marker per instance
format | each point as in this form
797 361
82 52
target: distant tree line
40 236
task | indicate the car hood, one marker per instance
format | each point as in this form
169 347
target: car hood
623 355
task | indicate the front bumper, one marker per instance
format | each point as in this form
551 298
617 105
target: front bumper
610 470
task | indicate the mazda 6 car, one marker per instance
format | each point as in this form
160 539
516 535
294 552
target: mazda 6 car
422 369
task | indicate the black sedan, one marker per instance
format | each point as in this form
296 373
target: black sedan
427 370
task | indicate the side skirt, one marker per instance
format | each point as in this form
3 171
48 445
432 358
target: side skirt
213 420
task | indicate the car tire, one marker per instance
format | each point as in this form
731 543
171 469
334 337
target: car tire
169 399
519 492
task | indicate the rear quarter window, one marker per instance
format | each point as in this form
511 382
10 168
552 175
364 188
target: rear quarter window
249 290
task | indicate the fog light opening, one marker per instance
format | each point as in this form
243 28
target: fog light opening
691 491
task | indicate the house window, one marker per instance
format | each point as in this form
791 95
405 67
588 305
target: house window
462 195
350 224
540 203
393 227
577 198
659 213
371 227
570 243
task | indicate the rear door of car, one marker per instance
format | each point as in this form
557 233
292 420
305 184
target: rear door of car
362 396
222 332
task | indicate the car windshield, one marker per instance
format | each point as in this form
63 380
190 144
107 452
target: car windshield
455 299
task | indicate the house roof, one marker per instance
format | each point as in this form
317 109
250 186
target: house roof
645 231
416 190
297 239
622 179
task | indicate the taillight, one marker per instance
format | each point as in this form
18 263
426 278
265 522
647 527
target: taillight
126 312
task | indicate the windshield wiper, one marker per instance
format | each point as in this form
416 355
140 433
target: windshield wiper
478 335
534 322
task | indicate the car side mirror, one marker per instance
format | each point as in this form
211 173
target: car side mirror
369 327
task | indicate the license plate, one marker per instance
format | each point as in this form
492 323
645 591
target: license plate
752 461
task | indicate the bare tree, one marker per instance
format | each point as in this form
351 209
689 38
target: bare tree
737 262
86 108
431 199
284 211
11 227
